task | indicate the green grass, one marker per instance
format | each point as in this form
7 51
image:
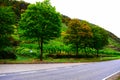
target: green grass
26 60
118 78
75 60
17 61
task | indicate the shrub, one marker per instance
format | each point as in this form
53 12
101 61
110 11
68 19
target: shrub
22 51
7 53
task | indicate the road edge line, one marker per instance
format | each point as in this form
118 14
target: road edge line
111 75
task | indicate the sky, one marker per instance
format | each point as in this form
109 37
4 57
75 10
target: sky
104 13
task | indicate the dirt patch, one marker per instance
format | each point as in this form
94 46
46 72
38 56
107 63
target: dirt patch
114 77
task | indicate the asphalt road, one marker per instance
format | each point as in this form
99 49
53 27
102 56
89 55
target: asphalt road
90 71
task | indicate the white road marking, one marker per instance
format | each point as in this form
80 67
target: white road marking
110 75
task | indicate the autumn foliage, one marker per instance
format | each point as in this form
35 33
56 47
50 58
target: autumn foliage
78 33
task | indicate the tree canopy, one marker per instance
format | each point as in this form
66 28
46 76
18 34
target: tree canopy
77 34
100 38
41 21
17 6
7 20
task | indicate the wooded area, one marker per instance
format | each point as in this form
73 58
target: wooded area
38 31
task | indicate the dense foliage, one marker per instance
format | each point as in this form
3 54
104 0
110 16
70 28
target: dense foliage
78 33
100 38
40 24
17 6
7 20
41 21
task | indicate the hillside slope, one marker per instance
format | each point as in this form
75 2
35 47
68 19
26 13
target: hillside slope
114 41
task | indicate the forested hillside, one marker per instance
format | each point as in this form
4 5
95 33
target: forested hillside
114 41
45 33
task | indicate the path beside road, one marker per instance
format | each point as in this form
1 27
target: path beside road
9 68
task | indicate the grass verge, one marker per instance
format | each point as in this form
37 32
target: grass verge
25 60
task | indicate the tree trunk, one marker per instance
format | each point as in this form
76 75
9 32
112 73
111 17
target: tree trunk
41 48
85 52
76 50
97 52
40 43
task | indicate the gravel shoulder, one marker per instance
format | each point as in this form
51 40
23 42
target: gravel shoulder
9 68
114 77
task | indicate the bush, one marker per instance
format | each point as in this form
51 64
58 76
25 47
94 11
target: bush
69 56
7 53
26 52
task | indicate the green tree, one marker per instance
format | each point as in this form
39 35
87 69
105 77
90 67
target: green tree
65 19
5 2
100 38
41 21
7 19
77 34
17 6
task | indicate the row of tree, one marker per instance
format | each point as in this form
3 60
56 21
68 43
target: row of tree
81 35
42 22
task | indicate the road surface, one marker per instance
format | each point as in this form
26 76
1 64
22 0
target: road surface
90 71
